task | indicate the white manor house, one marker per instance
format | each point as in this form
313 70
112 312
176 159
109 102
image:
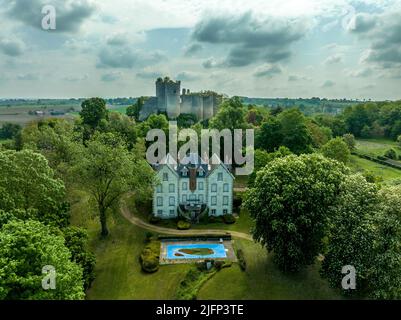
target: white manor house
192 187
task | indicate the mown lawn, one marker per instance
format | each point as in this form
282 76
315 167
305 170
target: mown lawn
263 281
119 275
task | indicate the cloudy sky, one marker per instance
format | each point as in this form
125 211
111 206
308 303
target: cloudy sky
258 48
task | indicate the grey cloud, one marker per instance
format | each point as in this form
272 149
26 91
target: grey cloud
149 75
110 77
328 84
126 58
294 78
362 23
385 49
12 48
76 78
267 71
211 63
187 76
28 77
251 40
334 59
361 73
193 49
70 14
119 39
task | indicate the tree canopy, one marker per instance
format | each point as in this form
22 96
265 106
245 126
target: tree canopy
25 248
290 202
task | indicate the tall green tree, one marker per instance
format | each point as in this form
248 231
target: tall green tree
231 115
93 112
269 137
294 131
76 240
351 235
337 149
107 170
28 183
290 204
134 110
25 248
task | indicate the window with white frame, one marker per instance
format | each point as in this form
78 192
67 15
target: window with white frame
159 188
201 185
213 212
171 188
214 187
201 198
160 212
185 186
225 201
220 176
225 211
172 201
214 200
172 212
226 187
201 171
165 176
184 198
159 201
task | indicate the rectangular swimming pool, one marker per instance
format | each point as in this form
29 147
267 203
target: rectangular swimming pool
196 251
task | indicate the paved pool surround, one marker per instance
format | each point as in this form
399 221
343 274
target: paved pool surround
169 248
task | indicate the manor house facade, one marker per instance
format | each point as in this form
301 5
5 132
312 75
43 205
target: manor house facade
192 187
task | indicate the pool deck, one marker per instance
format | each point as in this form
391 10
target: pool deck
163 251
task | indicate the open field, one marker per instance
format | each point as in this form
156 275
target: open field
388 174
20 113
376 147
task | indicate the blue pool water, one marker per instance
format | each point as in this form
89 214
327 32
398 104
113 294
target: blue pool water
173 249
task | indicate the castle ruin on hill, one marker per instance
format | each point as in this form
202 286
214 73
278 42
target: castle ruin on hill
170 100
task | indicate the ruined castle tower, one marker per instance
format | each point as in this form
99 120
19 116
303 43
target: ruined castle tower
168 96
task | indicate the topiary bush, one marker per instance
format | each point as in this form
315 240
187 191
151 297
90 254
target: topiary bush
150 263
183 225
150 257
229 219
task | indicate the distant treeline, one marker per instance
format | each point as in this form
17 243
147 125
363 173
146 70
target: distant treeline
61 102
308 106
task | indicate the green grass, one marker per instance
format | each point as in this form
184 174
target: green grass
118 271
385 172
263 281
376 147
119 275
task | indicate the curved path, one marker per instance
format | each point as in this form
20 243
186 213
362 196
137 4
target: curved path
140 223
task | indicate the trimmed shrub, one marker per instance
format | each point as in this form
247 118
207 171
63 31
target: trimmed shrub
229 219
150 257
154 220
391 154
148 237
241 259
183 225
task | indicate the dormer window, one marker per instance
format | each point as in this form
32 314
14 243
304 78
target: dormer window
184 172
201 171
